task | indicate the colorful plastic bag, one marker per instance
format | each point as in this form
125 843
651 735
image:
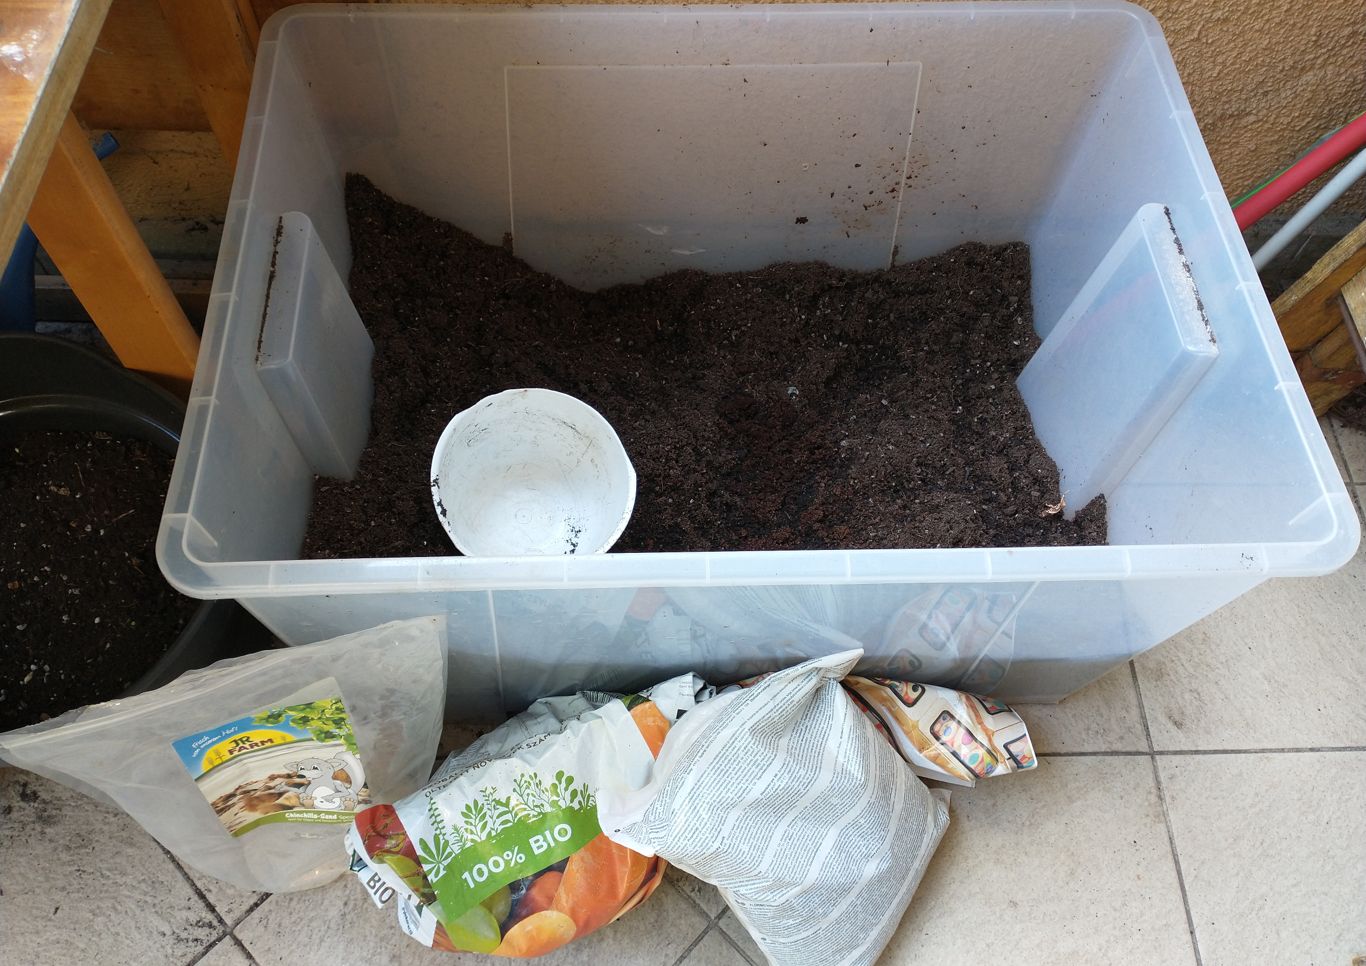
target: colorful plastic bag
502 852
250 770
943 734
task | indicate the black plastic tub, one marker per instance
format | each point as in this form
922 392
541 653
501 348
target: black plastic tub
54 384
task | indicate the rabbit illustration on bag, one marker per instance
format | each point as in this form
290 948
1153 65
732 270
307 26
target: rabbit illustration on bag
324 791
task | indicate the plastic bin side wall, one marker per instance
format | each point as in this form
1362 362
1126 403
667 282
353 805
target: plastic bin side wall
1024 641
421 102
241 490
1221 469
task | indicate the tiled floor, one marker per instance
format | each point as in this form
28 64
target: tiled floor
1205 804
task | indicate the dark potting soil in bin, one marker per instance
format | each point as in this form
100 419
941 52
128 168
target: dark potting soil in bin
84 610
795 407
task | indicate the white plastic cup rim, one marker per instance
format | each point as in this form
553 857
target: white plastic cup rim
532 472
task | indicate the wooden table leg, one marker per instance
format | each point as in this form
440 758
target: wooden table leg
219 45
89 235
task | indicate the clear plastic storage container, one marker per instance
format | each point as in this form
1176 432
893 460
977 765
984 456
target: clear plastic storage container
617 143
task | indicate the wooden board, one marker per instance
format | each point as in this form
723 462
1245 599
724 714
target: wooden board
1354 303
140 76
217 48
51 40
1317 322
137 77
247 14
57 303
1310 309
1331 371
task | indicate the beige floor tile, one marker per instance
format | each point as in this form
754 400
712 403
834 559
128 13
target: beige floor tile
226 953
1273 852
1069 864
741 937
309 928
1280 667
336 923
1352 445
82 883
1330 433
715 950
698 891
1102 716
231 902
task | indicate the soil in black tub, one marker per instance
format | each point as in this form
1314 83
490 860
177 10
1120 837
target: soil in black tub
84 610
794 407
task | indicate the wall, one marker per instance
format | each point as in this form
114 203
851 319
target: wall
1266 79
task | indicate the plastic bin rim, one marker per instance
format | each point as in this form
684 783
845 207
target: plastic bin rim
279 20
1130 562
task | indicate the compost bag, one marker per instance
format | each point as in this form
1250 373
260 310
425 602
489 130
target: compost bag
502 851
252 770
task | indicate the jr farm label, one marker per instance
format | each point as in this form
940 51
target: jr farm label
296 763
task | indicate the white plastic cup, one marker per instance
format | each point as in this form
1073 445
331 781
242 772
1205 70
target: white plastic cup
532 472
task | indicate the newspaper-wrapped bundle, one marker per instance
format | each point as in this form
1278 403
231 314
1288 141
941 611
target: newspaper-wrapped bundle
787 798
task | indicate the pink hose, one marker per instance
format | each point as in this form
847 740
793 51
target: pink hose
1306 169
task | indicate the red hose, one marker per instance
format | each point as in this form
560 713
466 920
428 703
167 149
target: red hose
1306 169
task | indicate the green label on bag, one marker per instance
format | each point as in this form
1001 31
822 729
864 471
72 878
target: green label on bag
526 847
495 839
